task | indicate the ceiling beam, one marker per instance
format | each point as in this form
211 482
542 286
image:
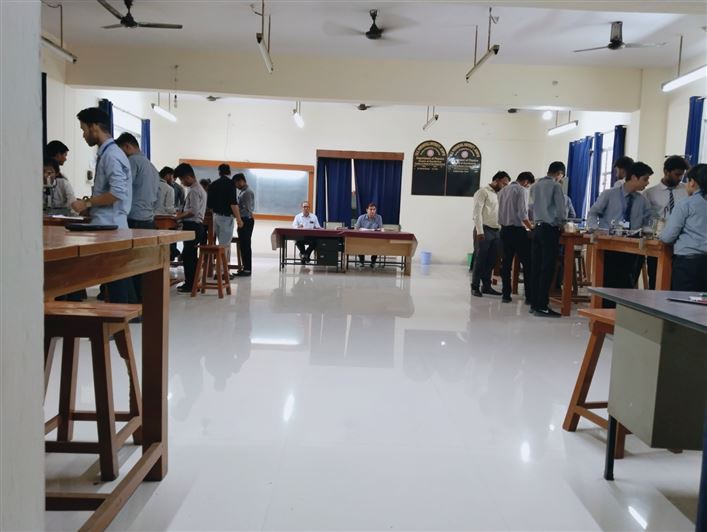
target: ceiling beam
682 7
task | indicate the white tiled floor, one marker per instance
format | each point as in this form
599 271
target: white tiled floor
369 401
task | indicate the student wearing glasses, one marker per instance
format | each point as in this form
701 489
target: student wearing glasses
305 220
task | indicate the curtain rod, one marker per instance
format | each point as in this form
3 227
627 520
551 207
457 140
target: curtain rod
127 112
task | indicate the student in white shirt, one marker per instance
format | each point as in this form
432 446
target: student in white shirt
305 220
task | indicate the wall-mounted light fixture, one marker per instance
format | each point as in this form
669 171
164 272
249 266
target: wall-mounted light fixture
263 43
683 79
562 128
58 49
490 51
297 114
430 119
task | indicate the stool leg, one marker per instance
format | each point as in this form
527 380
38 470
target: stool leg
105 414
620 441
197 274
49 348
219 272
226 272
67 388
584 379
207 270
123 341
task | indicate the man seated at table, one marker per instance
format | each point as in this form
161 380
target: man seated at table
626 208
369 222
305 220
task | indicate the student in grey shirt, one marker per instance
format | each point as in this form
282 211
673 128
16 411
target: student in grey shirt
687 229
146 182
515 226
370 222
245 222
165 199
625 207
549 216
192 220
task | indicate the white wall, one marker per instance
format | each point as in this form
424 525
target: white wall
679 108
21 422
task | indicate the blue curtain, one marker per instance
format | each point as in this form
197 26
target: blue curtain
145 137
107 107
694 126
596 168
619 147
334 190
579 173
379 182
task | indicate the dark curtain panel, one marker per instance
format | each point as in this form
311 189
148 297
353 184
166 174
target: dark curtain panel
107 107
320 210
596 169
694 126
145 137
619 148
379 182
334 190
579 172
44 110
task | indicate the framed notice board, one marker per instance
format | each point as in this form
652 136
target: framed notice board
279 189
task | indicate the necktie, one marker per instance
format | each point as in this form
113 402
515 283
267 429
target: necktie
671 201
627 212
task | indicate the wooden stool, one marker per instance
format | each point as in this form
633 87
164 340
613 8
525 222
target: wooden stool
239 259
207 254
601 323
97 322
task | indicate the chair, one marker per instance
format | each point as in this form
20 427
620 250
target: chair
601 323
239 259
99 322
211 256
333 225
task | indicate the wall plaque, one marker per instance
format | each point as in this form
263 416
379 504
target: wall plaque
463 169
429 169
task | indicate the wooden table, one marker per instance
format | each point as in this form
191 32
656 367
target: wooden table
636 246
386 243
568 241
76 260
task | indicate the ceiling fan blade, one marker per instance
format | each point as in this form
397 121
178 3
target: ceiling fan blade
110 8
159 25
644 44
591 49
112 26
616 31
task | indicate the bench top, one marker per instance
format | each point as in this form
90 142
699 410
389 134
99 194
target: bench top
106 312
603 315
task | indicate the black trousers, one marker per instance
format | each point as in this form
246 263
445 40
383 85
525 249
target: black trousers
485 255
362 259
689 273
189 254
544 249
305 246
516 241
136 293
652 264
245 235
619 272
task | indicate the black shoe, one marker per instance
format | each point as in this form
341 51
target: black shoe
476 292
531 310
243 273
547 312
505 299
184 289
490 291
308 259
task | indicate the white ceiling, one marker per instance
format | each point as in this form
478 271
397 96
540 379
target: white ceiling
433 30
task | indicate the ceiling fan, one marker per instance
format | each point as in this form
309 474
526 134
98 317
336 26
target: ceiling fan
616 41
374 32
127 21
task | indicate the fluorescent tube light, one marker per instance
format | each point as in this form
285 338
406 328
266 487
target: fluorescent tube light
562 128
547 115
689 77
61 52
264 52
298 119
490 53
163 113
430 122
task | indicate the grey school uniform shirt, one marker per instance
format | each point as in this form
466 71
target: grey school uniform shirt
112 175
246 202
195 204
146 182
687 226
